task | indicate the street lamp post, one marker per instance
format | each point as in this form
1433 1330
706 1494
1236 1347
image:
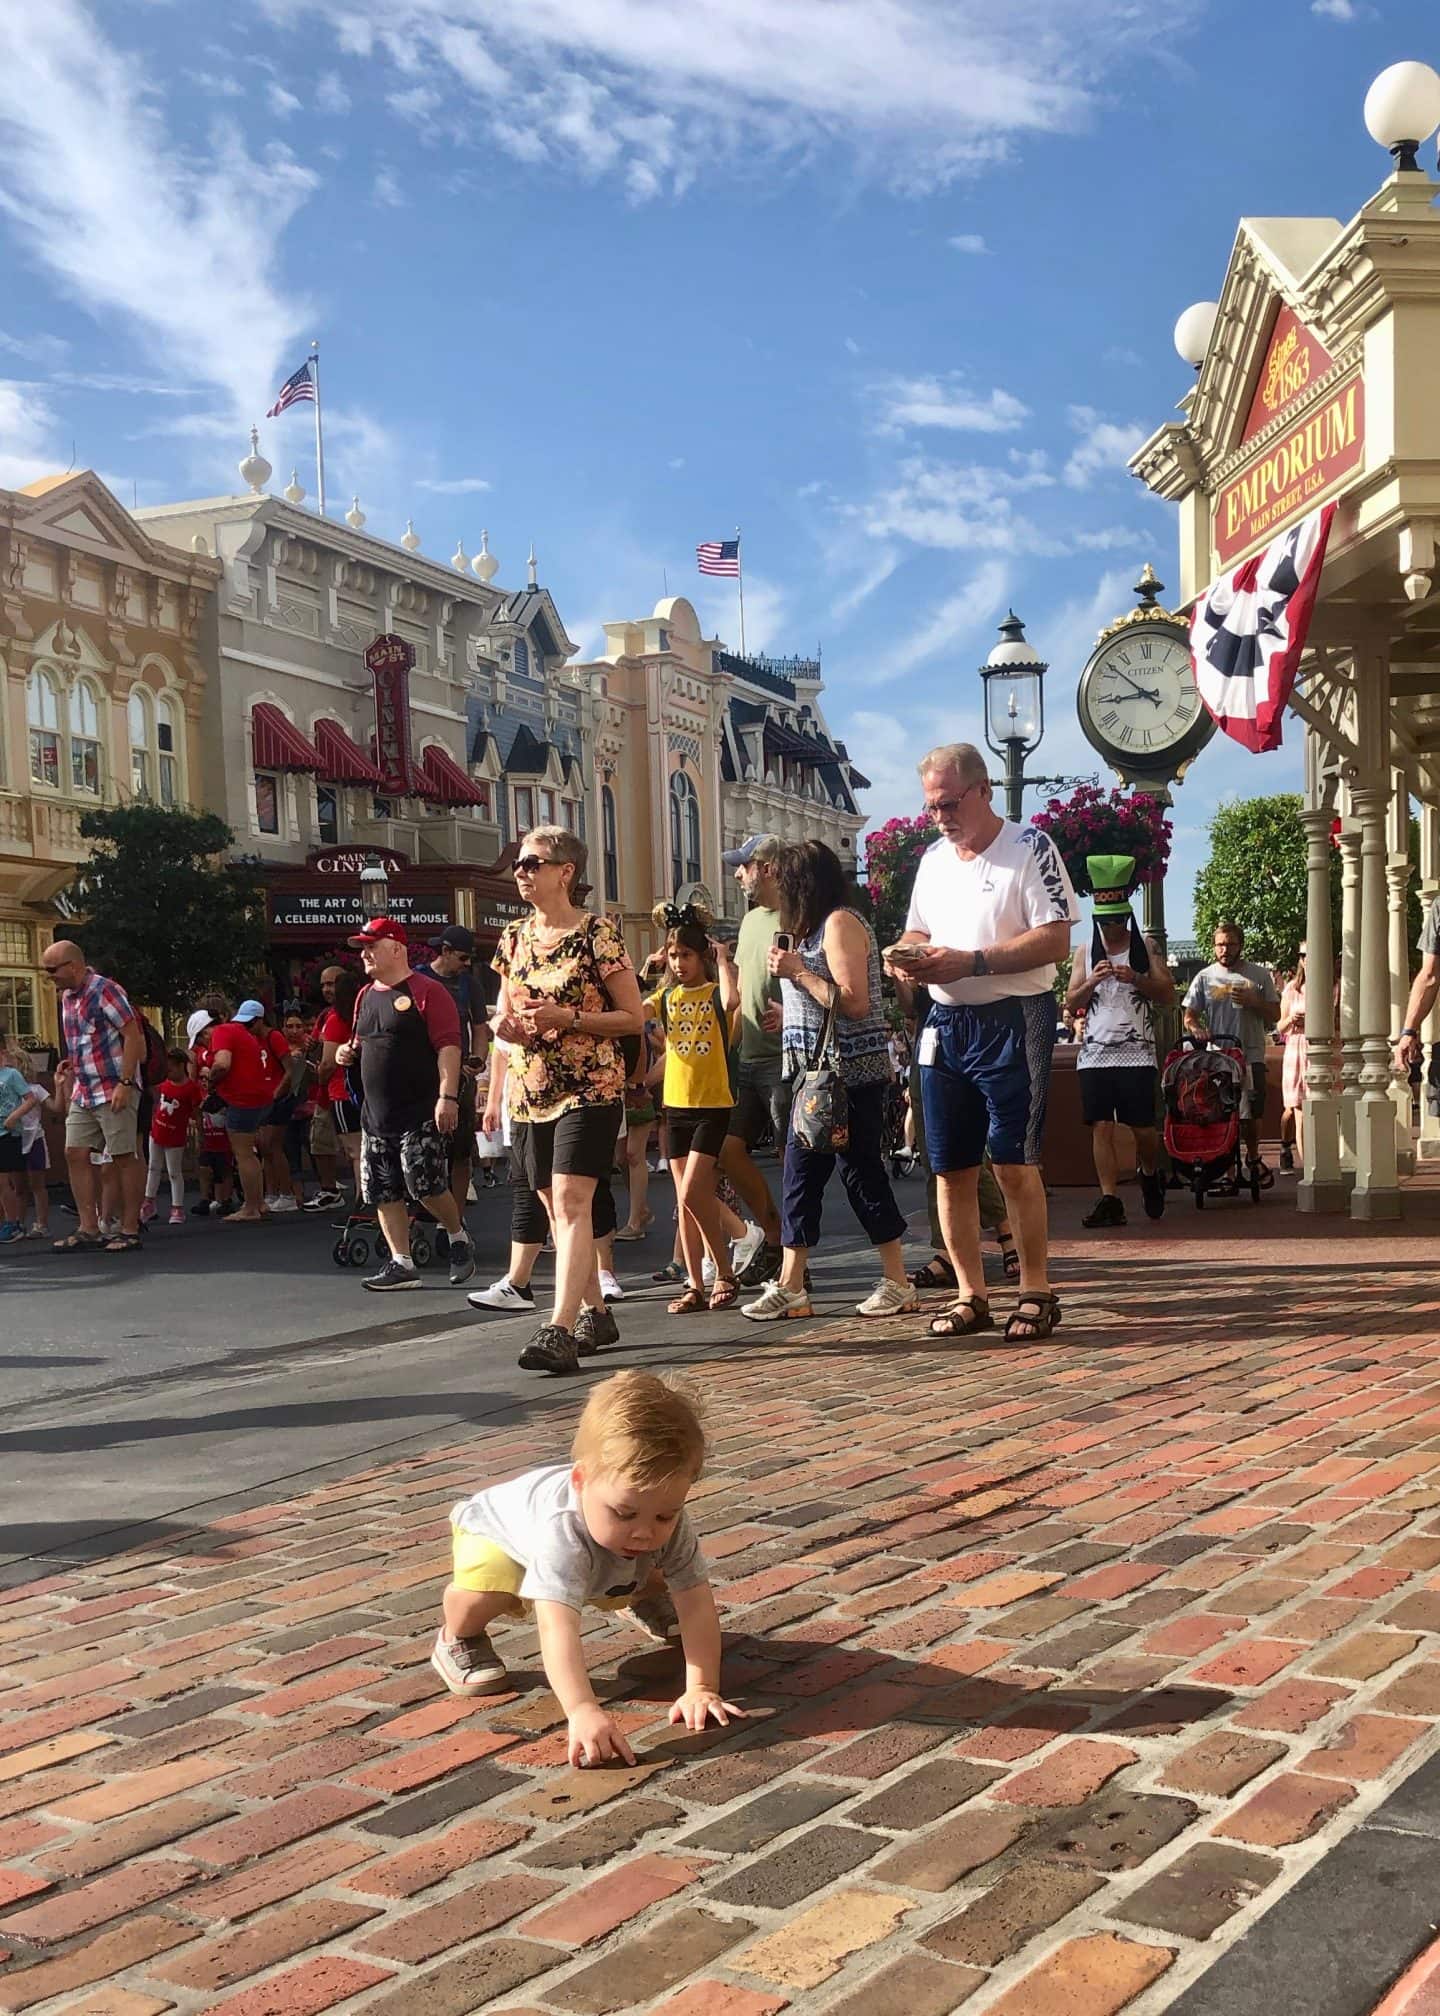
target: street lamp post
1014 707
374 887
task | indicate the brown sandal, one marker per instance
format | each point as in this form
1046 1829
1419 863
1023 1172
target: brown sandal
685 1305
963 1318
724 1293
1038 1315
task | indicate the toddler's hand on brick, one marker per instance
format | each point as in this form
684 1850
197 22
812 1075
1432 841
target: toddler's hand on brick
595 1738
696 1706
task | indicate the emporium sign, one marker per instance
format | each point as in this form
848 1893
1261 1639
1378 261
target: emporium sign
1293 470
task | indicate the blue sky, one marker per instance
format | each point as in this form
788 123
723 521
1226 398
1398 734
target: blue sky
888 282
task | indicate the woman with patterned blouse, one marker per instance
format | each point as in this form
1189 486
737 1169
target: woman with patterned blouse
568 993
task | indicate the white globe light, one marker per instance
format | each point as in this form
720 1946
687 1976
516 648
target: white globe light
1193 331
1403 104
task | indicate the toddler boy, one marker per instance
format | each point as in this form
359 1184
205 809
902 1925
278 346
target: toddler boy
607 1529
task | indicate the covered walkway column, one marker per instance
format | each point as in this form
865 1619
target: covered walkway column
1322 1187
1428 1146
1397 886
1348 841
1377 1187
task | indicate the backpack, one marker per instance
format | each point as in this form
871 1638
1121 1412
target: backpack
155 1064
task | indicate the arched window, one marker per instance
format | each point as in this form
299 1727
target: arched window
684 831
141 769
42 714
167 749
610 849
85 770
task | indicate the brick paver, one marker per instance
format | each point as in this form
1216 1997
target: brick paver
1062 1662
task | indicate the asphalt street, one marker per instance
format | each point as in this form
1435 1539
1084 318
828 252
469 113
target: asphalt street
223 1360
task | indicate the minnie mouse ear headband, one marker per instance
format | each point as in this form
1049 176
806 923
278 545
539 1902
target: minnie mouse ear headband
676 914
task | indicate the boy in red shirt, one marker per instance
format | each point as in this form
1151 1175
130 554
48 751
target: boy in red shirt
176 1101
242 1073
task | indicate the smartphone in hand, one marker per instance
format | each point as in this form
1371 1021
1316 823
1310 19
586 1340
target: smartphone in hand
782 941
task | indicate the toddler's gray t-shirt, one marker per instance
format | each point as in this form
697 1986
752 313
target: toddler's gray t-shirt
536 1520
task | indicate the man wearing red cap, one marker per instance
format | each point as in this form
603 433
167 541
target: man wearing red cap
407 1042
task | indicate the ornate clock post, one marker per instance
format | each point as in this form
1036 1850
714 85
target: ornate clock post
1139 707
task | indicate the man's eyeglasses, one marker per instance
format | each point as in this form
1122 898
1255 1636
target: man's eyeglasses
946 808
528 864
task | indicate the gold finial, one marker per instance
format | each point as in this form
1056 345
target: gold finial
1149 588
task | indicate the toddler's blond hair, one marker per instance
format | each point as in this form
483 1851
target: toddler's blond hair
642 1428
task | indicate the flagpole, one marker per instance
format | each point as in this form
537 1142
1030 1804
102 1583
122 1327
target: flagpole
740 581
319 428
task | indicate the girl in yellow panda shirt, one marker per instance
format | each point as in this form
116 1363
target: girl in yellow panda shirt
697 1009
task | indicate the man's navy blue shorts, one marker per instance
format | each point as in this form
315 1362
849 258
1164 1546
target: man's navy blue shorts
984 1083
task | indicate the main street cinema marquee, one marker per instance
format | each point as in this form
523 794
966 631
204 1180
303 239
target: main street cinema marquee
1305 432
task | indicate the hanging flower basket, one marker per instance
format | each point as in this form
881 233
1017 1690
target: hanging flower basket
1094 821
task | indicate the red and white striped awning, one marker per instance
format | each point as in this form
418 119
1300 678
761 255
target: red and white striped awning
442 780
344 761
278 743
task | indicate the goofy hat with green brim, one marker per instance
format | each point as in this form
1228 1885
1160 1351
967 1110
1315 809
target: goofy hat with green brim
1112 883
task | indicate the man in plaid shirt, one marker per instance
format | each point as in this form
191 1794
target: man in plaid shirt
104 1046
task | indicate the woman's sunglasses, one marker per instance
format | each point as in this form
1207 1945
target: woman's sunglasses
528 863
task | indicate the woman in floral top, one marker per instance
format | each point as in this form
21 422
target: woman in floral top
568 993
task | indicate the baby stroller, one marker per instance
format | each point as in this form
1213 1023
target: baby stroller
1204 1086
360 1240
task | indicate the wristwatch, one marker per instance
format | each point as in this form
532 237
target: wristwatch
448 1099
128 1081
982 966
1410 1032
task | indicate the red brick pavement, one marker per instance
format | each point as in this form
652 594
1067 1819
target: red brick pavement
1063 1662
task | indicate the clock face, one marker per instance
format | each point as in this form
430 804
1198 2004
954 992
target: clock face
1138 697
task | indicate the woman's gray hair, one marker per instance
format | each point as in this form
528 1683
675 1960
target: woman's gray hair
968 762
562 845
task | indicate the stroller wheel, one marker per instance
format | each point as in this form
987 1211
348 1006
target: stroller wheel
357 1251
421 1251
340 1253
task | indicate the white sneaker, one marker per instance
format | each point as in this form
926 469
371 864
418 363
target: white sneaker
610 1288
661 1165
707 1271
888 1298
502 1294
775 1303
283 1203
744 1249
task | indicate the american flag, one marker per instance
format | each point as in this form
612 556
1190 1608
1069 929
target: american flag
718 556
300 386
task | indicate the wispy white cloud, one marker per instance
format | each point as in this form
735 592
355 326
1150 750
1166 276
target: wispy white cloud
957 507
214 84
386 191
415 105
766 612
1121 353
46 351
920 92
946 625
1103 445
947 403
967 241
281 102
455 486
27 436
865 583
180 245
331 97
1336 10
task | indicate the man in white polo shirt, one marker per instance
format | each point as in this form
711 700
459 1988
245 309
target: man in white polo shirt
990 919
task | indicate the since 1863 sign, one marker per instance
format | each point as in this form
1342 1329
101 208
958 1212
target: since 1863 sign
1296 465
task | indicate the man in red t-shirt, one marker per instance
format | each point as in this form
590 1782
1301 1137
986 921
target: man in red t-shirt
243 1075
407 1042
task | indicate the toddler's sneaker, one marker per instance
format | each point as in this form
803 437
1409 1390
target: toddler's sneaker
655 1616
177 1217
609 1287
468 1665
148 1210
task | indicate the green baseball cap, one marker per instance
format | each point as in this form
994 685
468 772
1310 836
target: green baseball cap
1112 877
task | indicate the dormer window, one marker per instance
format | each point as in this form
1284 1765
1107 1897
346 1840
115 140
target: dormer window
664 640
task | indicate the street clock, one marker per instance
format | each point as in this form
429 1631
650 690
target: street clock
1137 699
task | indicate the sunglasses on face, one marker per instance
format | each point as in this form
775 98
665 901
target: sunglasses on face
530 864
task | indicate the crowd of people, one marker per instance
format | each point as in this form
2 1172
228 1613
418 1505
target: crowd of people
410 1084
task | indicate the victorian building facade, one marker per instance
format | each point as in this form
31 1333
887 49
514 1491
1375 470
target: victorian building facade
694 748
103 685
291 731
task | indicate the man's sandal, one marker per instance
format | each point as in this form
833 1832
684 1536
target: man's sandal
963 1318
78 1242
686 1304
1036 1315
936 1273
1009 1255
